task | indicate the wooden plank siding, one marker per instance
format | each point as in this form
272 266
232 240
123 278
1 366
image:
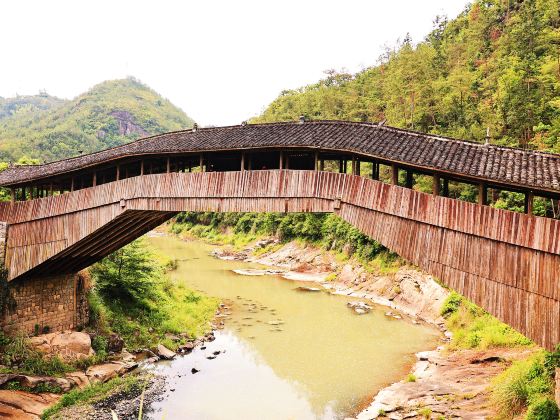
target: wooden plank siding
506 262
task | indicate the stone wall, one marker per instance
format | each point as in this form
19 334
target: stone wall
53 303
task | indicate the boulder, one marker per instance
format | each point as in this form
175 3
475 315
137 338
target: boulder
69 345
79 379
115 344
359 307
107 371
33 382
24 405
164 353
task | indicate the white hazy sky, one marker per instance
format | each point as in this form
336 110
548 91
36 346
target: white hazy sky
221 61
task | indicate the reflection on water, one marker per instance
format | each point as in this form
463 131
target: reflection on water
289 354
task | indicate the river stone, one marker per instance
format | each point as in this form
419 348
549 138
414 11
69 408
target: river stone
164 353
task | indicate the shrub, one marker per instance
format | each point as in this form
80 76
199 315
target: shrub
411 378
451 304
543 409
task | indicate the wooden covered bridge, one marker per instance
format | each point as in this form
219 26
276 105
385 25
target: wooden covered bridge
399 187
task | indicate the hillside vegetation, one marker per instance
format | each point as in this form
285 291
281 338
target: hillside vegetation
112 113
496 65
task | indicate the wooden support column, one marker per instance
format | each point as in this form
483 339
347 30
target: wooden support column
353 165
13 194
243 161
395 174
23 195
287 161
168 164
345 166
118 177
201 163
436 185
316 161
358 167
409 178
51 191
94 181
142 167
482 194
322 165
340 166
72 185
445 190
375 170
529 199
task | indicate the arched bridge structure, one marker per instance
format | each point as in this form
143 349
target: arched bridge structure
66 215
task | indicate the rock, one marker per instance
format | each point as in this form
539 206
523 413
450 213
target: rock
24 405
359 307
195 370
79 379
69 345
187 347
107 371
307 289
164 353
276 322
34 381
115 343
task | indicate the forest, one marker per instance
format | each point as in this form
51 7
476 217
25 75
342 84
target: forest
496 66
43 128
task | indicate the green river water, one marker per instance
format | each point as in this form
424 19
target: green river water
288 354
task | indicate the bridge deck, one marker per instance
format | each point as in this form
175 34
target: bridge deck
506 262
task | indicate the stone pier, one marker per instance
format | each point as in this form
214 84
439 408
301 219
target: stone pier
38 305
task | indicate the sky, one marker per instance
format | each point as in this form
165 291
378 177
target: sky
221 61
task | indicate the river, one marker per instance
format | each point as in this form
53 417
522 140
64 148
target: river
284 353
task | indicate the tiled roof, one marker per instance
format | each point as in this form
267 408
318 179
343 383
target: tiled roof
517 167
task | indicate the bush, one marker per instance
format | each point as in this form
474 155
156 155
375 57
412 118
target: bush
451 304
128 275
543 409
523 383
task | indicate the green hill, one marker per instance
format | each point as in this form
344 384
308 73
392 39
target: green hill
496 65
111 113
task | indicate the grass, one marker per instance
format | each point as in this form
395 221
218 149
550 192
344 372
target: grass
527 385
474 328
95 392
411 378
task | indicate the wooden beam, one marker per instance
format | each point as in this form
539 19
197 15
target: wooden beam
394 174
482 194
436 184
529 200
